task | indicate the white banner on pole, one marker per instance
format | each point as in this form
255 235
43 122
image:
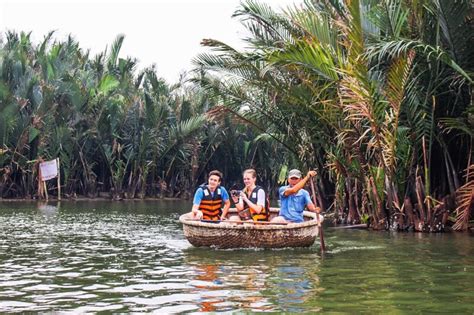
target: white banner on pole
49 169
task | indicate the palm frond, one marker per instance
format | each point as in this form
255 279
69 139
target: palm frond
456 27
391 17
465 201
218 46
311 56
317 25
392 49
397 80
269 29
44 44
114 52
187 127
460 124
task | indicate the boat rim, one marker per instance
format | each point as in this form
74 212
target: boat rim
243 226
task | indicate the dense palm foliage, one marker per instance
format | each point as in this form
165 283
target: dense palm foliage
130 135
376 94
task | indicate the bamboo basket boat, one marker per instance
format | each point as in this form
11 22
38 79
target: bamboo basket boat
251 235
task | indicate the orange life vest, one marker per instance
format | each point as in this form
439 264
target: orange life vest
211 205
263 215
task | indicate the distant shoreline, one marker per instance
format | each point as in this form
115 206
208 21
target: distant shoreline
91 199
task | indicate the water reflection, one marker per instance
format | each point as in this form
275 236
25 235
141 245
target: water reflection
102 257
293 287
49 211
207 280
262 280
224 281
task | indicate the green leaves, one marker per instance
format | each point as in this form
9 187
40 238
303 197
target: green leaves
365 81
311 56
372 89
282 174
391 18
95 114
32 134
37 96
107 84
114 53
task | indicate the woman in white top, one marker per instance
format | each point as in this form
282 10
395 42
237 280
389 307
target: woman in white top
251 202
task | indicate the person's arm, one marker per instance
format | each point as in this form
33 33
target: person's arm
256 207
196 212
225 198
239 204
300 185
310 205
196 202
225 210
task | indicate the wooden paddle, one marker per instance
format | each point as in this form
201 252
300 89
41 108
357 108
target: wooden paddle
321 234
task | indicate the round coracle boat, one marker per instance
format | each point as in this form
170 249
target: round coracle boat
232 234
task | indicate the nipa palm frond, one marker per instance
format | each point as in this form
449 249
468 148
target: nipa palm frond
465 201
218 46
396 84
463 125
266 26
114 52
456 28
312 56
391 49
188 127
391 17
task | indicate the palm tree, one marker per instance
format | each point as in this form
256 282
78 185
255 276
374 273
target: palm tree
354 78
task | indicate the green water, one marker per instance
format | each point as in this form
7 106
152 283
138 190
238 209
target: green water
132 257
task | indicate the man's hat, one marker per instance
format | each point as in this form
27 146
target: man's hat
294 173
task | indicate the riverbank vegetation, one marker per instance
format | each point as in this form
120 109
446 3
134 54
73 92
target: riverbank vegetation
377 95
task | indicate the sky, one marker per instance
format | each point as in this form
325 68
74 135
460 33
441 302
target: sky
166 33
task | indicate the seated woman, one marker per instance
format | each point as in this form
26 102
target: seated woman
251 202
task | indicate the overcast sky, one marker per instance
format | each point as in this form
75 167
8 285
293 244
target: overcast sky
162 32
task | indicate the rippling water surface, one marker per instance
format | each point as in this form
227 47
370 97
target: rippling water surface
87 256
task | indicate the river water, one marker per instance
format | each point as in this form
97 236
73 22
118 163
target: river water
98 256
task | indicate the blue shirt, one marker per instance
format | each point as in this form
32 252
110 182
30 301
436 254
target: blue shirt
199 194
292 206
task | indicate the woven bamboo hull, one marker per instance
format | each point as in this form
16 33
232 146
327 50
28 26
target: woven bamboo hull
227 235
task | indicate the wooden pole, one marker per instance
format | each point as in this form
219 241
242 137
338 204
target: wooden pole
45 190
321 234
40 186
59 179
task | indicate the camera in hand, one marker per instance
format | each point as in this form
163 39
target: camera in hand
235 193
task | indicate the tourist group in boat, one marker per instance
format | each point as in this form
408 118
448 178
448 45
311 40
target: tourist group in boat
212 201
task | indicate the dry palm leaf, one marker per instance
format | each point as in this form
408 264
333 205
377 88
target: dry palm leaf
465 201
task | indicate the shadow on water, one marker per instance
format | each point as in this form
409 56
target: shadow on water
132 257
